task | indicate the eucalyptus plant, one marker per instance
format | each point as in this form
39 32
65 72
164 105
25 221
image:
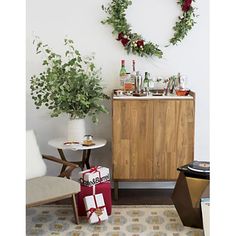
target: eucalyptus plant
68 84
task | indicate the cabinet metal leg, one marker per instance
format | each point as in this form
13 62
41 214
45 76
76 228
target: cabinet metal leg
116 188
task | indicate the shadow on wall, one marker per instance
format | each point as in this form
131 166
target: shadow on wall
103 128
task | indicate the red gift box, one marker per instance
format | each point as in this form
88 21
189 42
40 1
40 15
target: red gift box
104 188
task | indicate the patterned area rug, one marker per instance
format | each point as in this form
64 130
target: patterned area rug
124 221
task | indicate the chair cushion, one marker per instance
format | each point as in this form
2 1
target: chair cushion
35 165
49 187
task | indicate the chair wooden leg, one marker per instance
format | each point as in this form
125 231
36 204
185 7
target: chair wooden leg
75 209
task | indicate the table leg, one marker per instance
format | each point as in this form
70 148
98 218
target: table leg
87 158
62 155
63 158
83 160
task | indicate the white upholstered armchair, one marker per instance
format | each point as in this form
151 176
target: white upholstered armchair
41 189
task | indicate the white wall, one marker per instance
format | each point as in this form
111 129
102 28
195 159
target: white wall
80 20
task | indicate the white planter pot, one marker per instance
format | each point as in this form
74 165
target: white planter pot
76 130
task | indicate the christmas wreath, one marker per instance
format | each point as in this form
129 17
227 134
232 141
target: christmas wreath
134 42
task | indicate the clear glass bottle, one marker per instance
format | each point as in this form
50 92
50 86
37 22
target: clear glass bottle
151 83
128 86
138 82
133 75
159 84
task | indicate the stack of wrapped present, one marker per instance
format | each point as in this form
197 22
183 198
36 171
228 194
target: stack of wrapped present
94 198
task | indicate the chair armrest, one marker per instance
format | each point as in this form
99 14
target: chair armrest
51 158
66 173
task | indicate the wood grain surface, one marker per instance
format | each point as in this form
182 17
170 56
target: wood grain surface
173 137
151 138
132 139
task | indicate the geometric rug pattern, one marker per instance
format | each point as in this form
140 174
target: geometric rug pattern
156 220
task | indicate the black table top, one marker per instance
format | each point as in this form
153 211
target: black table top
193 174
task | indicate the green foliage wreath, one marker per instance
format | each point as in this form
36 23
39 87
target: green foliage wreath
134 42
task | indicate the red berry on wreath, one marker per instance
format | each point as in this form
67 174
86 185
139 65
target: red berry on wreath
140 43
124 41
186 5
120 36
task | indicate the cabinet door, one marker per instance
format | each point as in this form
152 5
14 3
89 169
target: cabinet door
132 139
173 136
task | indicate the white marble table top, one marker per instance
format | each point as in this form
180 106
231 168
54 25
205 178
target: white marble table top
59 144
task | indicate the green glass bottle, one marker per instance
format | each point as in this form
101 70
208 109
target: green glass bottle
122 74
146 83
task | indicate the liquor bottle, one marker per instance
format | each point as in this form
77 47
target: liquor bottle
122 74
128 86
138 82
133 75
146 83
151 83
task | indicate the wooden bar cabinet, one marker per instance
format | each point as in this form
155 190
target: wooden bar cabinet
152 136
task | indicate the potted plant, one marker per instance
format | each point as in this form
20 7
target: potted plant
70 85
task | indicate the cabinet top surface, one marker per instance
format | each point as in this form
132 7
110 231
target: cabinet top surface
122 97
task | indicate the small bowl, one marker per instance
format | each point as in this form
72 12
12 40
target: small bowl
182 92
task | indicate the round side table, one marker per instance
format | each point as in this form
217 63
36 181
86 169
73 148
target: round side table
58 143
